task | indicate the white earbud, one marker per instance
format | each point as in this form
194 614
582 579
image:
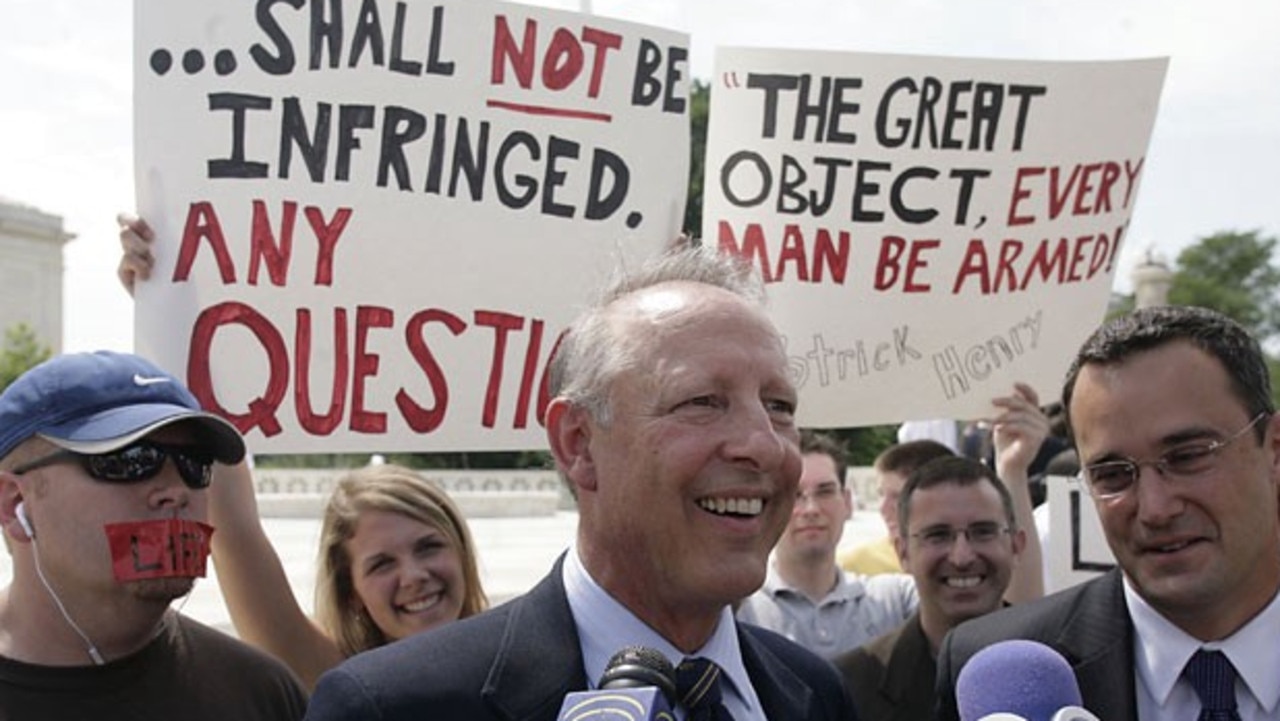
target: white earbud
23 521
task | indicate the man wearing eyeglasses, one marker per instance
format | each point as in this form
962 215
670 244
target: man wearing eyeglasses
806 597
959 538
104 462
1172 416
809 599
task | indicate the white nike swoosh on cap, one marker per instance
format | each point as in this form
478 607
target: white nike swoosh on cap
142 380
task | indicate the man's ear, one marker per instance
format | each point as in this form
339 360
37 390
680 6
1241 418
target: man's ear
900 545
569 428
10 499
1273 438
1019 543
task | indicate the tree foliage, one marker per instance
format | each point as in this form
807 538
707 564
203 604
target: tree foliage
699 112
22 350
1231 272
862 445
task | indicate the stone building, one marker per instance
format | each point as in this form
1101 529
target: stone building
31 267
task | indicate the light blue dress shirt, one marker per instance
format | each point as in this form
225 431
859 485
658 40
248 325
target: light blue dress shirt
605 626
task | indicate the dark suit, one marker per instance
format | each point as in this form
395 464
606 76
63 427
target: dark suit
1088 624
518 661
892 677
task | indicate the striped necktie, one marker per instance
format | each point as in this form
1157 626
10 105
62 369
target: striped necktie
698 686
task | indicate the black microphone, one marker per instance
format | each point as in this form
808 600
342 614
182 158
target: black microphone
1019 680
638 684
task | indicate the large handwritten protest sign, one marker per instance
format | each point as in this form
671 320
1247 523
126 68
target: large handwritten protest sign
932 229
376 217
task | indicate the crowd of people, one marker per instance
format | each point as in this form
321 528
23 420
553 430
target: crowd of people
708 530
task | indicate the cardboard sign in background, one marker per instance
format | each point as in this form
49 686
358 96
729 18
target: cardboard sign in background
1077 548
375 219
932 229
374 226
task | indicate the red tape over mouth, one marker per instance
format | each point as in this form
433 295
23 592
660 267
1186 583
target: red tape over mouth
167 548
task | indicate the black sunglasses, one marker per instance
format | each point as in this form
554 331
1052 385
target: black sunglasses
135 462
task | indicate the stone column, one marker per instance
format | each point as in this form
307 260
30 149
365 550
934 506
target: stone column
31 270
1151 280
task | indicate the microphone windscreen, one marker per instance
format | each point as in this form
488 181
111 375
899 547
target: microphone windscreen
638 684
639 667
1024 678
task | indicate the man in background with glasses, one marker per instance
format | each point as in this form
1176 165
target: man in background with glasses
1172 416
806 597
104 464
959 539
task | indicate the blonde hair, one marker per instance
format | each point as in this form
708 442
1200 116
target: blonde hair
393 489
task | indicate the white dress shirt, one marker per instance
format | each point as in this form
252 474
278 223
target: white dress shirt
1161 651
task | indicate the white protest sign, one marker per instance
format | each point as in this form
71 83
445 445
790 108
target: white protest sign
376 218
933 229
1077 548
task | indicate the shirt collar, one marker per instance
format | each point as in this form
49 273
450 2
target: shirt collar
848 587
1162 650
605 626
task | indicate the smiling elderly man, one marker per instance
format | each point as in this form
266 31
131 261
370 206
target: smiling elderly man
674 419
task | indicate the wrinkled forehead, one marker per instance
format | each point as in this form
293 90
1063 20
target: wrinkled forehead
694 325
679 305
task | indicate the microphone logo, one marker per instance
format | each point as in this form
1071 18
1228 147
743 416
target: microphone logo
631 704
638 684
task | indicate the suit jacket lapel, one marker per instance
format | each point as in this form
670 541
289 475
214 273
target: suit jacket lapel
1098 639
904 654
539 658
539 661
910 659
782 693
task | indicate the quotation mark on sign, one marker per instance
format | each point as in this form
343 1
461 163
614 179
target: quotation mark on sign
224 62
731 80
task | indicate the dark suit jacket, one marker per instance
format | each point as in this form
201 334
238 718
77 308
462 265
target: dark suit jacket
1088 624
519 660
892 677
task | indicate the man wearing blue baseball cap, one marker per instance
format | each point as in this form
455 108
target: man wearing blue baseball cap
104 464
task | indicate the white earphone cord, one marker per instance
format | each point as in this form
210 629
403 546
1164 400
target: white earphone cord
92 649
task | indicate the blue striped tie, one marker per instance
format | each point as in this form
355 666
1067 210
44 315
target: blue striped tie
698 685
1214 679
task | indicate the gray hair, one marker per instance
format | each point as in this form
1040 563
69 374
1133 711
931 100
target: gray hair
592 352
